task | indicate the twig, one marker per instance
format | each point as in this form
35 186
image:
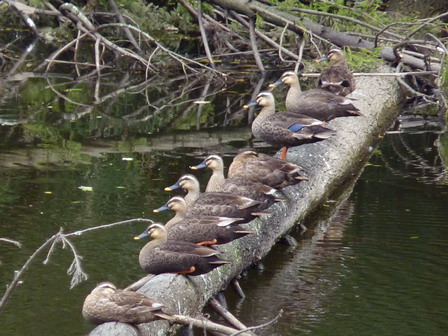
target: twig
416 30
28 21
12 241
281 42
265 38
181 59
75 54
407 86
17 276
444 54
226 314
253 43
384 31
261 325
75 269
128 33
346 18
385 74
204 36
299 61
209 325
78 233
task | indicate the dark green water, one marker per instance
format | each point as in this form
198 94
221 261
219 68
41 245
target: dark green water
378 268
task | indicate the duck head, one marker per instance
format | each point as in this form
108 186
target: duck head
155 231
186 182
176 203
214 162
288 78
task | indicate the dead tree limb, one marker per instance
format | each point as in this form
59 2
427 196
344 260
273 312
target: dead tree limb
128 33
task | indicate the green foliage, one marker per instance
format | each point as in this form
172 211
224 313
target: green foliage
363 60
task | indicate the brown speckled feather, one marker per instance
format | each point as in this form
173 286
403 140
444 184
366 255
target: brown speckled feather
265 169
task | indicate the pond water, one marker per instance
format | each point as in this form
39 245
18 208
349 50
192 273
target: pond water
378 267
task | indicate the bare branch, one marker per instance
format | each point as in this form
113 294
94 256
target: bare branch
12 241
253 43
416 30
18 275
264 325
78 233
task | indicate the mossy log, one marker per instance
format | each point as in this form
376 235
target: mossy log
328 165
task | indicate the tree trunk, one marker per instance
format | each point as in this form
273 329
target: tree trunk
328 165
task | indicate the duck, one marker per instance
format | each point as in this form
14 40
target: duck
337 78
180 207
161 255
107 303
316 103
201 230
239 186
286 129
259 167
221 204
206 233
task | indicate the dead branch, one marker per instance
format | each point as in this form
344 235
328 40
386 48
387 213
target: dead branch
22 10
229 317
346 18
128 33
264 37
75 268
204 35
18 275
12 241
264 325
253 44
416 30
204 324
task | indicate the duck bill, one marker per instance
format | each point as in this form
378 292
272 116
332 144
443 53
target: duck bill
173 187
277 83
162 208
250 105
143 235
324 58
202 165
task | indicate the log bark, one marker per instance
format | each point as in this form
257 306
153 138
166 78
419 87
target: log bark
328 165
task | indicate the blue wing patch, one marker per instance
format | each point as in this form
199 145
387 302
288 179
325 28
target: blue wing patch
296 127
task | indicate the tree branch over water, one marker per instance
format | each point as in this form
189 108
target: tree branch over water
75 269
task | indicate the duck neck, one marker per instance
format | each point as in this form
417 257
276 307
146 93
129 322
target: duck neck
216 180
293 95
192 196
153 243
180 215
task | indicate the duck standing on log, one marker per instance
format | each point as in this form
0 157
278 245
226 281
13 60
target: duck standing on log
337 78
253 166
106 303
219 204
161 255
287 129
316 103
240 186
180 207
201 230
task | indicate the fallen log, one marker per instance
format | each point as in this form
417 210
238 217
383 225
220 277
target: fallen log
328 165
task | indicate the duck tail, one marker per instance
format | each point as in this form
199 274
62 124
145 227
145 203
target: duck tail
261 213
324 133
220 262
